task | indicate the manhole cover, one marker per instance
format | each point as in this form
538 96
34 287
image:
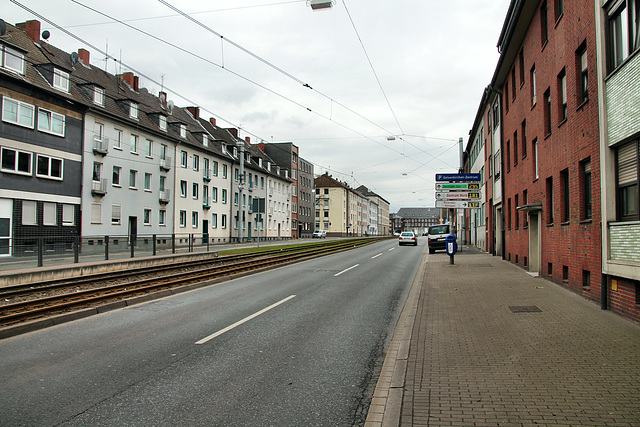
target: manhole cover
524 309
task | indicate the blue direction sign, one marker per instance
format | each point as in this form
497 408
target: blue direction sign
457 177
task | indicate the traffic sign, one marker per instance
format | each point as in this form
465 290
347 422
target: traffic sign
457 195
458 177
457 204
462 186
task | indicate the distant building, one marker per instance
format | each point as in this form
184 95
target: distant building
378 214
417 220
340 210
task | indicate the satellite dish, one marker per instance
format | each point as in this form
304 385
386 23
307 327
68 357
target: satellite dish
46 34
170 104
3 27
74 57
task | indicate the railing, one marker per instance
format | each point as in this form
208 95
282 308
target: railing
101 146
99 188
165 164
165 196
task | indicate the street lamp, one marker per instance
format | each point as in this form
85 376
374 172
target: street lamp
320 4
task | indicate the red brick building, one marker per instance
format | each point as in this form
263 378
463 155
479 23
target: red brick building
549 131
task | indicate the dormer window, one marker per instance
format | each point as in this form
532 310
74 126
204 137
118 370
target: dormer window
162 123
248 157
133 110
260 161
11 59
235 152
183 131
98 96
60 80
224 148
205 140
269 166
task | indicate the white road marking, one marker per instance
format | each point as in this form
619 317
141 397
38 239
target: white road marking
344 271
375 256
246 319
391 249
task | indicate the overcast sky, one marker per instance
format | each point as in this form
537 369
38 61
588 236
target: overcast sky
411 69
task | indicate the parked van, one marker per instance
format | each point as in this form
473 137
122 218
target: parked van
438 237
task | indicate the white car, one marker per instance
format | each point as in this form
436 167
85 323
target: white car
408 238
319 234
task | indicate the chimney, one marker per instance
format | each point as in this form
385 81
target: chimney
127 78
195 112
212 121
32 28
163 98
84 56
136 83
233 131
261 145
248 139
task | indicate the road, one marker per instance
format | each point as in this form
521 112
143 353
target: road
299 345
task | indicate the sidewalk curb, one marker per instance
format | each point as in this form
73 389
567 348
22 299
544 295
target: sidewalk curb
386 404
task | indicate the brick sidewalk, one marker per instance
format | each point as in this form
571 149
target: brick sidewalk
482 342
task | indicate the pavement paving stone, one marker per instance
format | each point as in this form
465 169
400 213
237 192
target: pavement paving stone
492 345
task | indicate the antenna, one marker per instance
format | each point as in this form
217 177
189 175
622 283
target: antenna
3 27
74 57
46 34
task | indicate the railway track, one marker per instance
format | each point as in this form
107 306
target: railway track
23 303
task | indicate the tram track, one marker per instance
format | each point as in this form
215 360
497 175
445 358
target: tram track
25 303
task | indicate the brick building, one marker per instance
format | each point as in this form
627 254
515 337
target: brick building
539 118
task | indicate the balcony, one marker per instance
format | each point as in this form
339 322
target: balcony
165 196
206 175
100 146
99 188
165 164
206 202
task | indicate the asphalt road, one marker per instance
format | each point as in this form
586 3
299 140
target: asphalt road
298 346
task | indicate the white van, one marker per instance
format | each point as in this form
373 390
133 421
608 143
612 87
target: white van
437 237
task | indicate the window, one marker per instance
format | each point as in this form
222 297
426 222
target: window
48 167
183 131
147 181
205 167
98 131
146 216
515 148
559 8
547 112
536 169
133 110
60 80
508 157
533 85
117 170
214 194
564 189
235 199
134 144
50 122
627 182
97 171
183 188
509 213
224 195
523 133
562 95
16 161
513 83
148 148
585 171
163 152
205 140
496 165
496 114
11 59
68 214
224 220
96 213
550 200
98 96
521 67
624 31
18 113
214 168
116 214
214 220
544 24
162 217
196 162
195 190
29 212
162 181
583 74
224 171
162 123
194 219
133 176
517 212
117 141
183 218
525 200
183 159
506 97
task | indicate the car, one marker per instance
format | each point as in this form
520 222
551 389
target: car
319 234
437 239
408 238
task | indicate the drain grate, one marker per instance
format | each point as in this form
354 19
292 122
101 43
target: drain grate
524 309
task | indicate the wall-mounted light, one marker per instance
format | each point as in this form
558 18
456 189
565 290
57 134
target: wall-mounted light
321 4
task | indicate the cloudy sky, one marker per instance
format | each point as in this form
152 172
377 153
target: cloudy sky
375 92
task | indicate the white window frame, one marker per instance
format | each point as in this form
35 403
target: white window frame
162 123
9 51
148 148
29 212
68 214
96 213
146 216
118 139
214 220
133 179
183 188
116 182
17 154
147 181
133 110
184 159
49 214
52 118
20 107
162 217
116 214
183 131
183 218
60 80
98 96
194 219
50 162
